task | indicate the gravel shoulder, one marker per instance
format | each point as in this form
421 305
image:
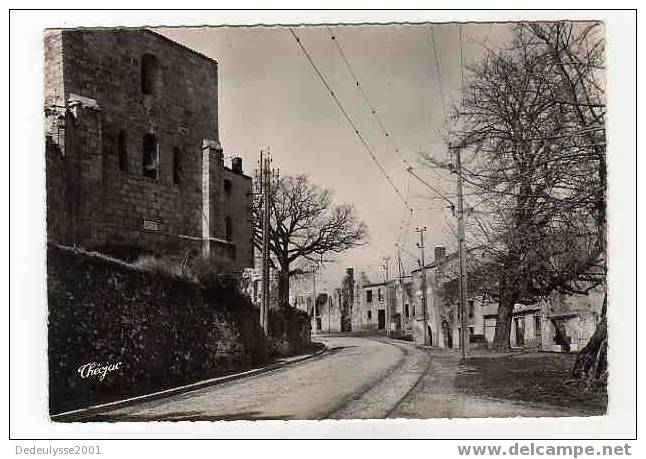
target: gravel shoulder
494 385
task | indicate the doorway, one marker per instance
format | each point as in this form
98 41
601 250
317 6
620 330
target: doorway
448 337
381 319
519 324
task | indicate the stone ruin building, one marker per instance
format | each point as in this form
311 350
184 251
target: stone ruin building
134 163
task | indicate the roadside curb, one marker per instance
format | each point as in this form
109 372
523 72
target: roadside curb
79 414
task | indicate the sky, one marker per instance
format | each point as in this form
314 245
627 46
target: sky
271 97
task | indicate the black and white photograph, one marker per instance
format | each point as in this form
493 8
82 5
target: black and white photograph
329 220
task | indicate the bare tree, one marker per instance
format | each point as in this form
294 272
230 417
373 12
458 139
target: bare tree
306 229
580 62
531 126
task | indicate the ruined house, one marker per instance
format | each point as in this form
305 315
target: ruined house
557 322
375 306
134 163
330 311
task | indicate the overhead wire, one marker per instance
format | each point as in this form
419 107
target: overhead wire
373 110
348 119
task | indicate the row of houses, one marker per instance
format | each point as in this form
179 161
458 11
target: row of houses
557 323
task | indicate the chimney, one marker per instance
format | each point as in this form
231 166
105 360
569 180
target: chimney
236 164
440 253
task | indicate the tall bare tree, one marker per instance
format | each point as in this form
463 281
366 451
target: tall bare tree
580 62
531 126
306 229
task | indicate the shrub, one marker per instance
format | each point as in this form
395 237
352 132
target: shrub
165 329
177 268
289 331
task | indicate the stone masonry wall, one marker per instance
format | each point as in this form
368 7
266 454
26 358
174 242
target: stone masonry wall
53 69
111 203
240 215
162 330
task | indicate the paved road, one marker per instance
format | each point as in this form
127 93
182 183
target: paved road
357 378
365 378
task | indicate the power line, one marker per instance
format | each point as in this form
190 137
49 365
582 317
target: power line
430 187
413 256
408 213
437 71
348 119
461 60
373 110
407 230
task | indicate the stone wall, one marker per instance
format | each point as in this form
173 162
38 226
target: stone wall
53 68
95 77
240 191
366 313
161 330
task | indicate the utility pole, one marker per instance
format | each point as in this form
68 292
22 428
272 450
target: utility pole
386 262
265 185
401 289
263 203
464 319
329 312
317 313
420 245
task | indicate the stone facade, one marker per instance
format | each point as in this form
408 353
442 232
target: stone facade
375 306
555 323
330 310
346 300
321 306
134 162
404 308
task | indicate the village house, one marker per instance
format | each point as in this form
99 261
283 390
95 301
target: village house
330 312
324 314
251 284
428 320
404 308
558 322
375 305
134 160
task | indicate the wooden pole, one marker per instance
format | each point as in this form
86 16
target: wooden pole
464 319
266 190
421 247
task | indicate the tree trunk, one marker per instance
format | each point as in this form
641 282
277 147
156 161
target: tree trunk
503 324
591 367
508 298
283 288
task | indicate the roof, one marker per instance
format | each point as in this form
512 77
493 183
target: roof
435 263
157 34
448 257
377 284
230 170
564 315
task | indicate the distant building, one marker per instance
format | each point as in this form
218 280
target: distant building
404 308
556 323
251 285
330 312
134 161
430 323
345 299
375 306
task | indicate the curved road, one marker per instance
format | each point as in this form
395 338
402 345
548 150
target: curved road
357 378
